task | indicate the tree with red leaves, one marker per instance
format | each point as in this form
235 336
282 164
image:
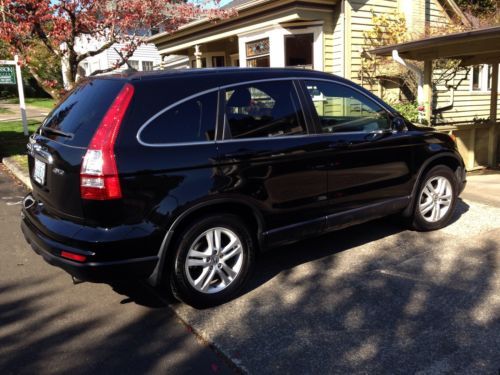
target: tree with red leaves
58 25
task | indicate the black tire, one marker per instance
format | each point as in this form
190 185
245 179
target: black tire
421 222
180 283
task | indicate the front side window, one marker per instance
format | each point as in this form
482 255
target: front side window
191 121
262 110
342 109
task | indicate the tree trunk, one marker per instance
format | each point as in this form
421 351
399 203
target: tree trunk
53 92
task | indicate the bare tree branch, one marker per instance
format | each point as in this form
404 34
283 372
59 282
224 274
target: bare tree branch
103 48
124 59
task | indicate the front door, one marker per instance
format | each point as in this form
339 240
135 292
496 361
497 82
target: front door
368 162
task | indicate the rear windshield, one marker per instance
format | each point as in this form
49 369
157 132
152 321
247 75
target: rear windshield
76 119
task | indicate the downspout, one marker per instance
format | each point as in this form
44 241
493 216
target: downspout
415 69
420 81
450 102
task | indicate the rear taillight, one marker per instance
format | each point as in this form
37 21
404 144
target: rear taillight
99 174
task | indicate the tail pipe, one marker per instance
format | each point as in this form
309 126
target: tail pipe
28 202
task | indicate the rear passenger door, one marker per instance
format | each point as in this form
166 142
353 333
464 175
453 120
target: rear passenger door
368 161
266 155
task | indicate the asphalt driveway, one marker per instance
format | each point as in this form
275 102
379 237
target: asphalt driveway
50 326
375 298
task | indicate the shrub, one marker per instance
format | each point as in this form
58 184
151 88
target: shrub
408 110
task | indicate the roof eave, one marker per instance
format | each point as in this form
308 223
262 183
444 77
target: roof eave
206 21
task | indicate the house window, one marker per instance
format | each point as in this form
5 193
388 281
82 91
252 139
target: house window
203 63
147 66
133 64
476 77
217 61
481 77
299 50
258 53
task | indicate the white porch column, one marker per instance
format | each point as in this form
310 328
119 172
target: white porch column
197 55
428 90
493 132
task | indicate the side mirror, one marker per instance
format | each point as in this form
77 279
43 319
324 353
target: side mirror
399 124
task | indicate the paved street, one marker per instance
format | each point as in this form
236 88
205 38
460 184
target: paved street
375 298
50 326
14 113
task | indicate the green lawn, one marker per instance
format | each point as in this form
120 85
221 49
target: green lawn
47 103
12 139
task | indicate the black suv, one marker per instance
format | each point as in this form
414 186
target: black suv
182 177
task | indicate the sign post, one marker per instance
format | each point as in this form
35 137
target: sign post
8 77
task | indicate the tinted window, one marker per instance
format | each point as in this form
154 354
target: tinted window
82 111
342 109
269 109
191 121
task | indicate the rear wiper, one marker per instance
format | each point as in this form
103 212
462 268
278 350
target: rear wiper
58 132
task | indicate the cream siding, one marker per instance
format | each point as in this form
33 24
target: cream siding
435 15
338 41
329 48
467 104
360 16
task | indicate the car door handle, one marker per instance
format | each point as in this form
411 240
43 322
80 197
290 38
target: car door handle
242 153
340 145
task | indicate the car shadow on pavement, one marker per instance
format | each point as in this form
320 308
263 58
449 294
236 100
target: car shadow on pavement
374 298
140 293
45 330
316 248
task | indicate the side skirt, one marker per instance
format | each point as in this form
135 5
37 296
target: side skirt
296 232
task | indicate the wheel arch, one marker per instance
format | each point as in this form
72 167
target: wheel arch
228 205
448 159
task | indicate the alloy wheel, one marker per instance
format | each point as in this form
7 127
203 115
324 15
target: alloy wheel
214 260
435 199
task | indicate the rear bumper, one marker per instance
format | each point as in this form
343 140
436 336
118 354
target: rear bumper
94 268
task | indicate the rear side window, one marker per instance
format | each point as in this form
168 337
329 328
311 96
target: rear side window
81 112
191 121
262 110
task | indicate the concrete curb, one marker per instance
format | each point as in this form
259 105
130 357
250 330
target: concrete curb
17 172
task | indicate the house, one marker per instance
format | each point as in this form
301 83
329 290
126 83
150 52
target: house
145 57
329 35
326 35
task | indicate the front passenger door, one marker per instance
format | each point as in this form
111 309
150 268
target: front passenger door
368 162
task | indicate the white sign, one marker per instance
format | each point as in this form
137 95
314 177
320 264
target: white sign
20 89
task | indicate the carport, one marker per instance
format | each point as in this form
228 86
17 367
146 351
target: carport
474 47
